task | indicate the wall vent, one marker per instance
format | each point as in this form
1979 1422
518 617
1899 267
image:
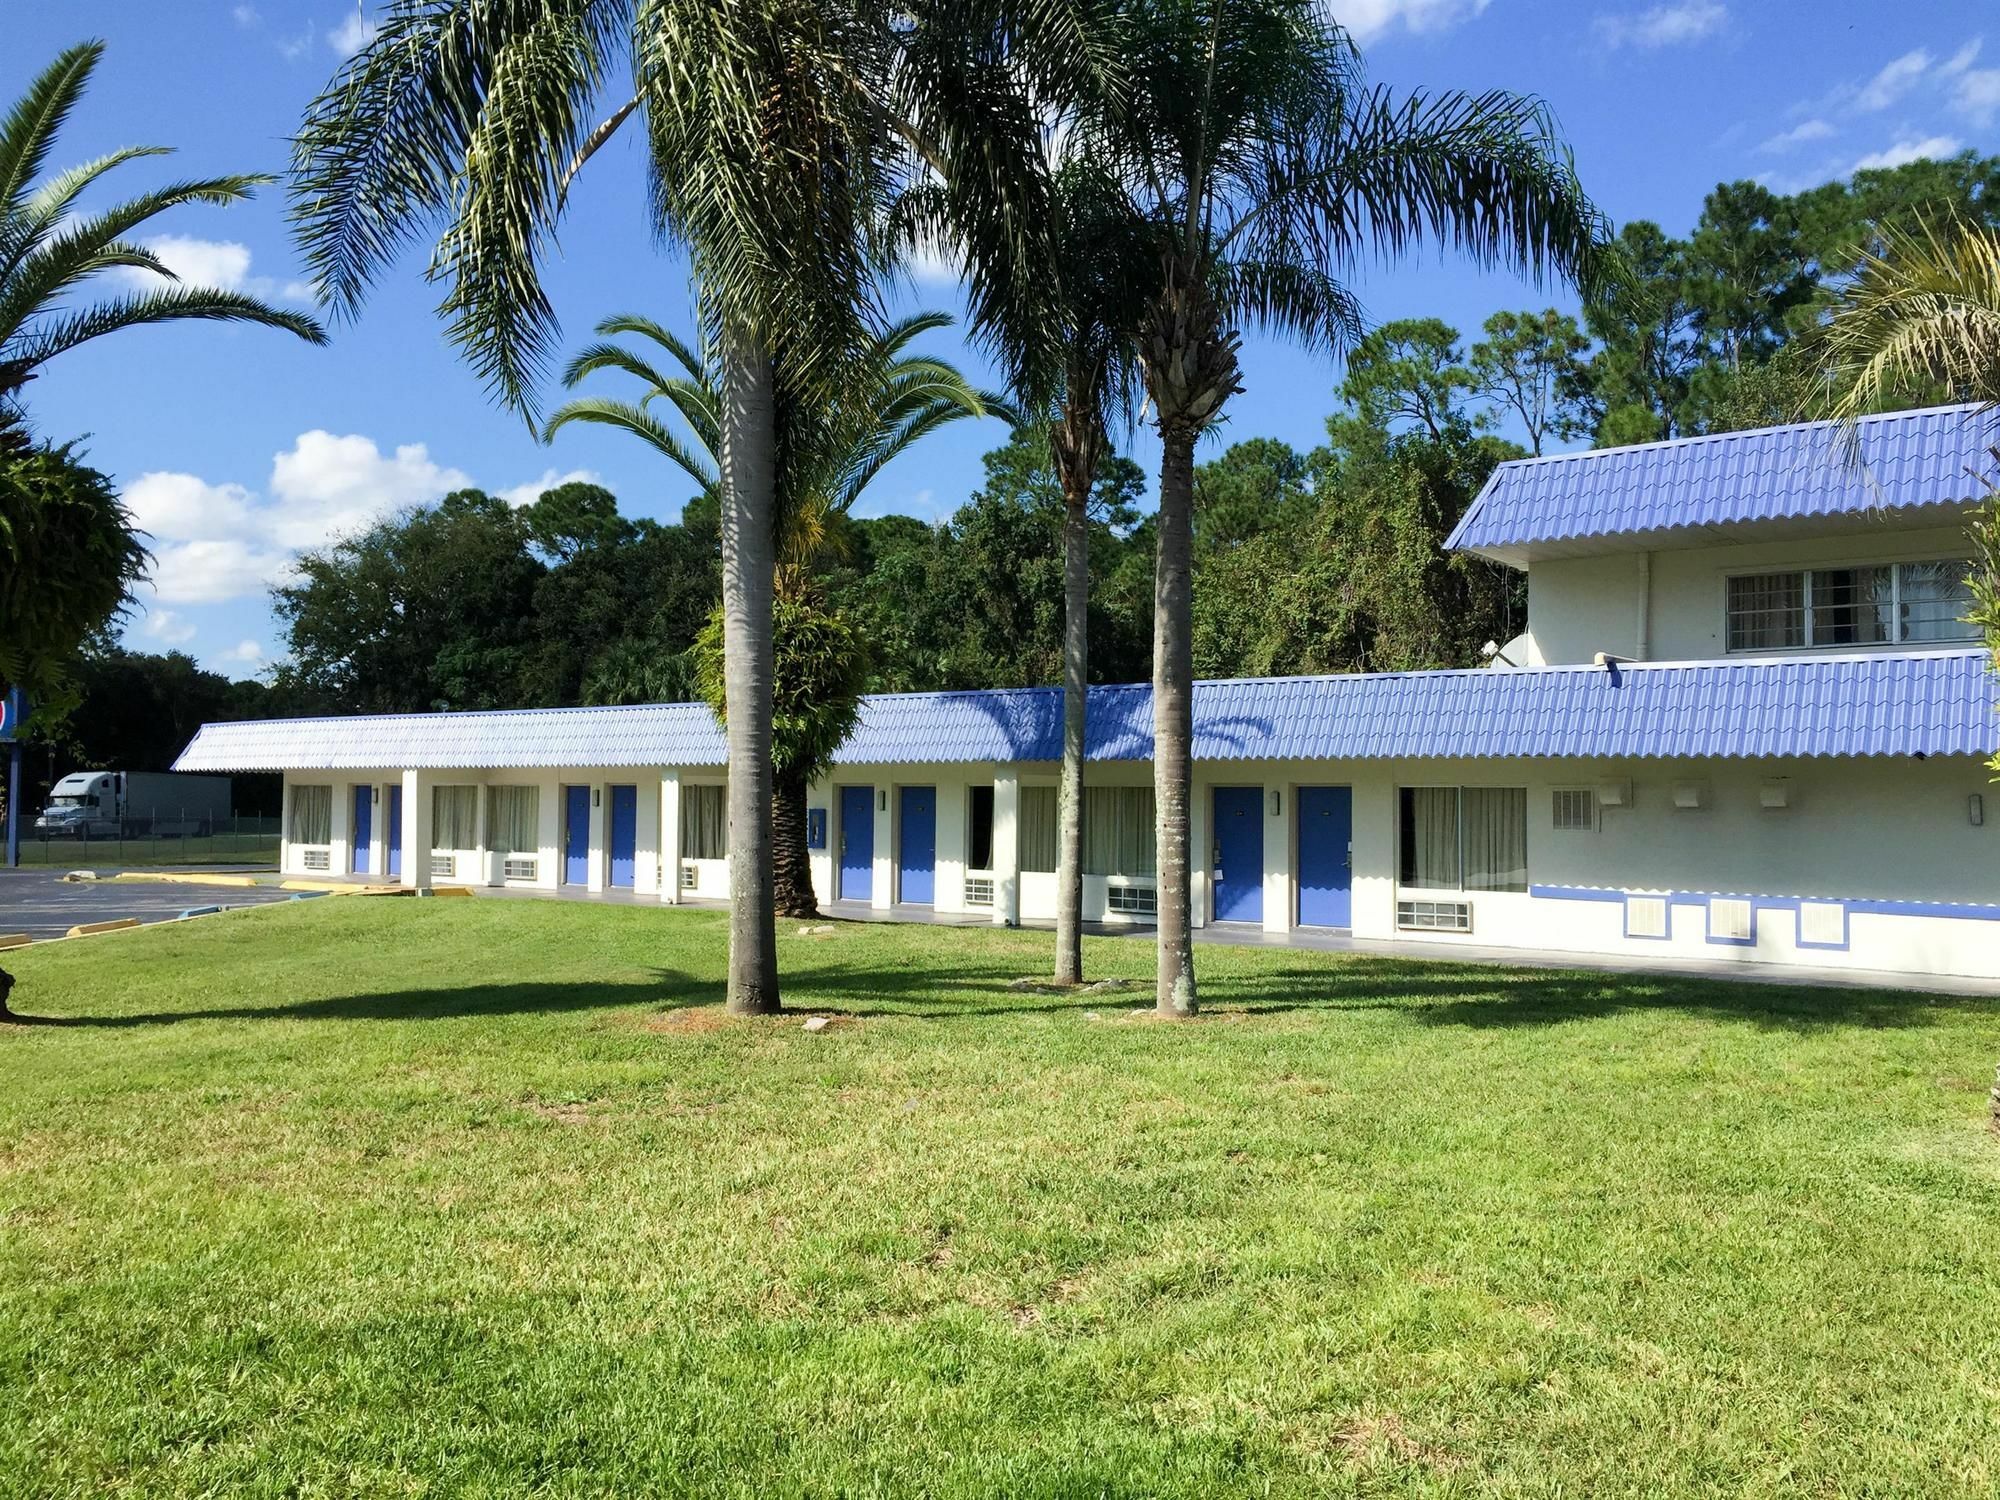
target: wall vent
316 859
1141 900
442 867
1575 810
1823 924
1646 916
690 877
1729 920
979 890
1434 916
519 869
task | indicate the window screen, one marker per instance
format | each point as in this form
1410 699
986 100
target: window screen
312 815
704 823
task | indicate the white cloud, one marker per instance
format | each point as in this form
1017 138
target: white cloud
1935 147
1977 95
1894 81
246 15
352 34
1962 59
209 572
244 651
1369 19
167 627
1664 25
529 493
1798 135
327 486
222 264
183 508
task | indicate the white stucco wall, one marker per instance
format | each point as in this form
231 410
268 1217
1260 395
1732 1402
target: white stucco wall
1578 606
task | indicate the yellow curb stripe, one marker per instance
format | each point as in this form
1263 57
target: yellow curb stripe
14 940
88 929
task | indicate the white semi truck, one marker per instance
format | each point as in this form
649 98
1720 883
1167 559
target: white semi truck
126 804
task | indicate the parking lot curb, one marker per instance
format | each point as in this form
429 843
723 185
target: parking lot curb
14 940
164 877
91 929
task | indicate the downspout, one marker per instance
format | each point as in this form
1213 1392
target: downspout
1645 642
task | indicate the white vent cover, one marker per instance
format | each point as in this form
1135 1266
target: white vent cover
1614 794
979 890
1435 916
441 867
1646 916
690 877
1823 924
1690 794
1729 920
316 859
519 869
1775 794
1139 899
1575 810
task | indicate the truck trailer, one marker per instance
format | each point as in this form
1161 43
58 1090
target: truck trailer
130 804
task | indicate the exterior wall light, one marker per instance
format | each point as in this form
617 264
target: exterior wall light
1275 804
882 800
596 797
1975 810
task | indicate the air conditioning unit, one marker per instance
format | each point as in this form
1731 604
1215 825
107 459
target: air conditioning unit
1139 900
1691 794
1434 916
519 869
979 890
1730 920
690 877
1646 917
316 859
442 867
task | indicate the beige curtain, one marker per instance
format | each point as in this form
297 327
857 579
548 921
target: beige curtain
1430 838
704 823
1496 838
455 817
1038 829
1118 830
312 815
516 819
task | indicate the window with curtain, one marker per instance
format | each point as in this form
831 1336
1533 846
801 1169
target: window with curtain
979 829
1471 838
1118 830
1862 606
1038 829
517 812
455 817
1495 820
704 823
312 815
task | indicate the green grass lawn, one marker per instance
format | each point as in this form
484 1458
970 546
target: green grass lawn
432 1198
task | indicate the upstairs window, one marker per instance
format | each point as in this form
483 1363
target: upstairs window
1879 604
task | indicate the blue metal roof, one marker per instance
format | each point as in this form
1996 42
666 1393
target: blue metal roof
1907 459
1932 703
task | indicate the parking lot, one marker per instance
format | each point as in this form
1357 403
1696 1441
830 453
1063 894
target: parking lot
41 904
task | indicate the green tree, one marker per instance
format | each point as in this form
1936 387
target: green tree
1258 487
1534 365
50 250
568 520
830 451
1921 318
777 132
1265 169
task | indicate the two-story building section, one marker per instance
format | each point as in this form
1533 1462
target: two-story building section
1746 721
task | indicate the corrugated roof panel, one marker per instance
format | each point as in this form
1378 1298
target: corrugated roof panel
1908 460
1935 703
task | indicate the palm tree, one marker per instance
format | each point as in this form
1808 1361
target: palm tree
1265 169
778 132
49 251
830 452
1920 321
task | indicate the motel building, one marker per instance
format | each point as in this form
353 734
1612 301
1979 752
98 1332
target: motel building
1745 722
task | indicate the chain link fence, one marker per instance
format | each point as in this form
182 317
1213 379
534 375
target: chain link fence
162 840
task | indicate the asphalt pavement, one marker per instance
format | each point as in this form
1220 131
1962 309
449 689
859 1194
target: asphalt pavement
39 902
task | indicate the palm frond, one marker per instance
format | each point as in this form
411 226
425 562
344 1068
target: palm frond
630 417
1922 316
35 347
29 132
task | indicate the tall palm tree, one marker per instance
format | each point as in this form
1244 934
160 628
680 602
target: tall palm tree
777 133
1266 169
49 252
830 450
1920 321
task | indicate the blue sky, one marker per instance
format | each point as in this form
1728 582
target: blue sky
238 447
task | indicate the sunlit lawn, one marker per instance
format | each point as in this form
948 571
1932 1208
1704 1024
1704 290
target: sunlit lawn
394 1197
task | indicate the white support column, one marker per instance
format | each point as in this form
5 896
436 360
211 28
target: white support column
670 838
378 834
482 825
416 831
340 834
600 854
1201 851
882 888
1007 849
646 839
285 828
1280 819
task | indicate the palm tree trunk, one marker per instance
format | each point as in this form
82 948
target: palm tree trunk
1173 720
792 862
1076 660
749 556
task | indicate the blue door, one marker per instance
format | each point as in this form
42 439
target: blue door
1239 854
624 834
364 827
857 844
1326 865
576 835
916 845
393 834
